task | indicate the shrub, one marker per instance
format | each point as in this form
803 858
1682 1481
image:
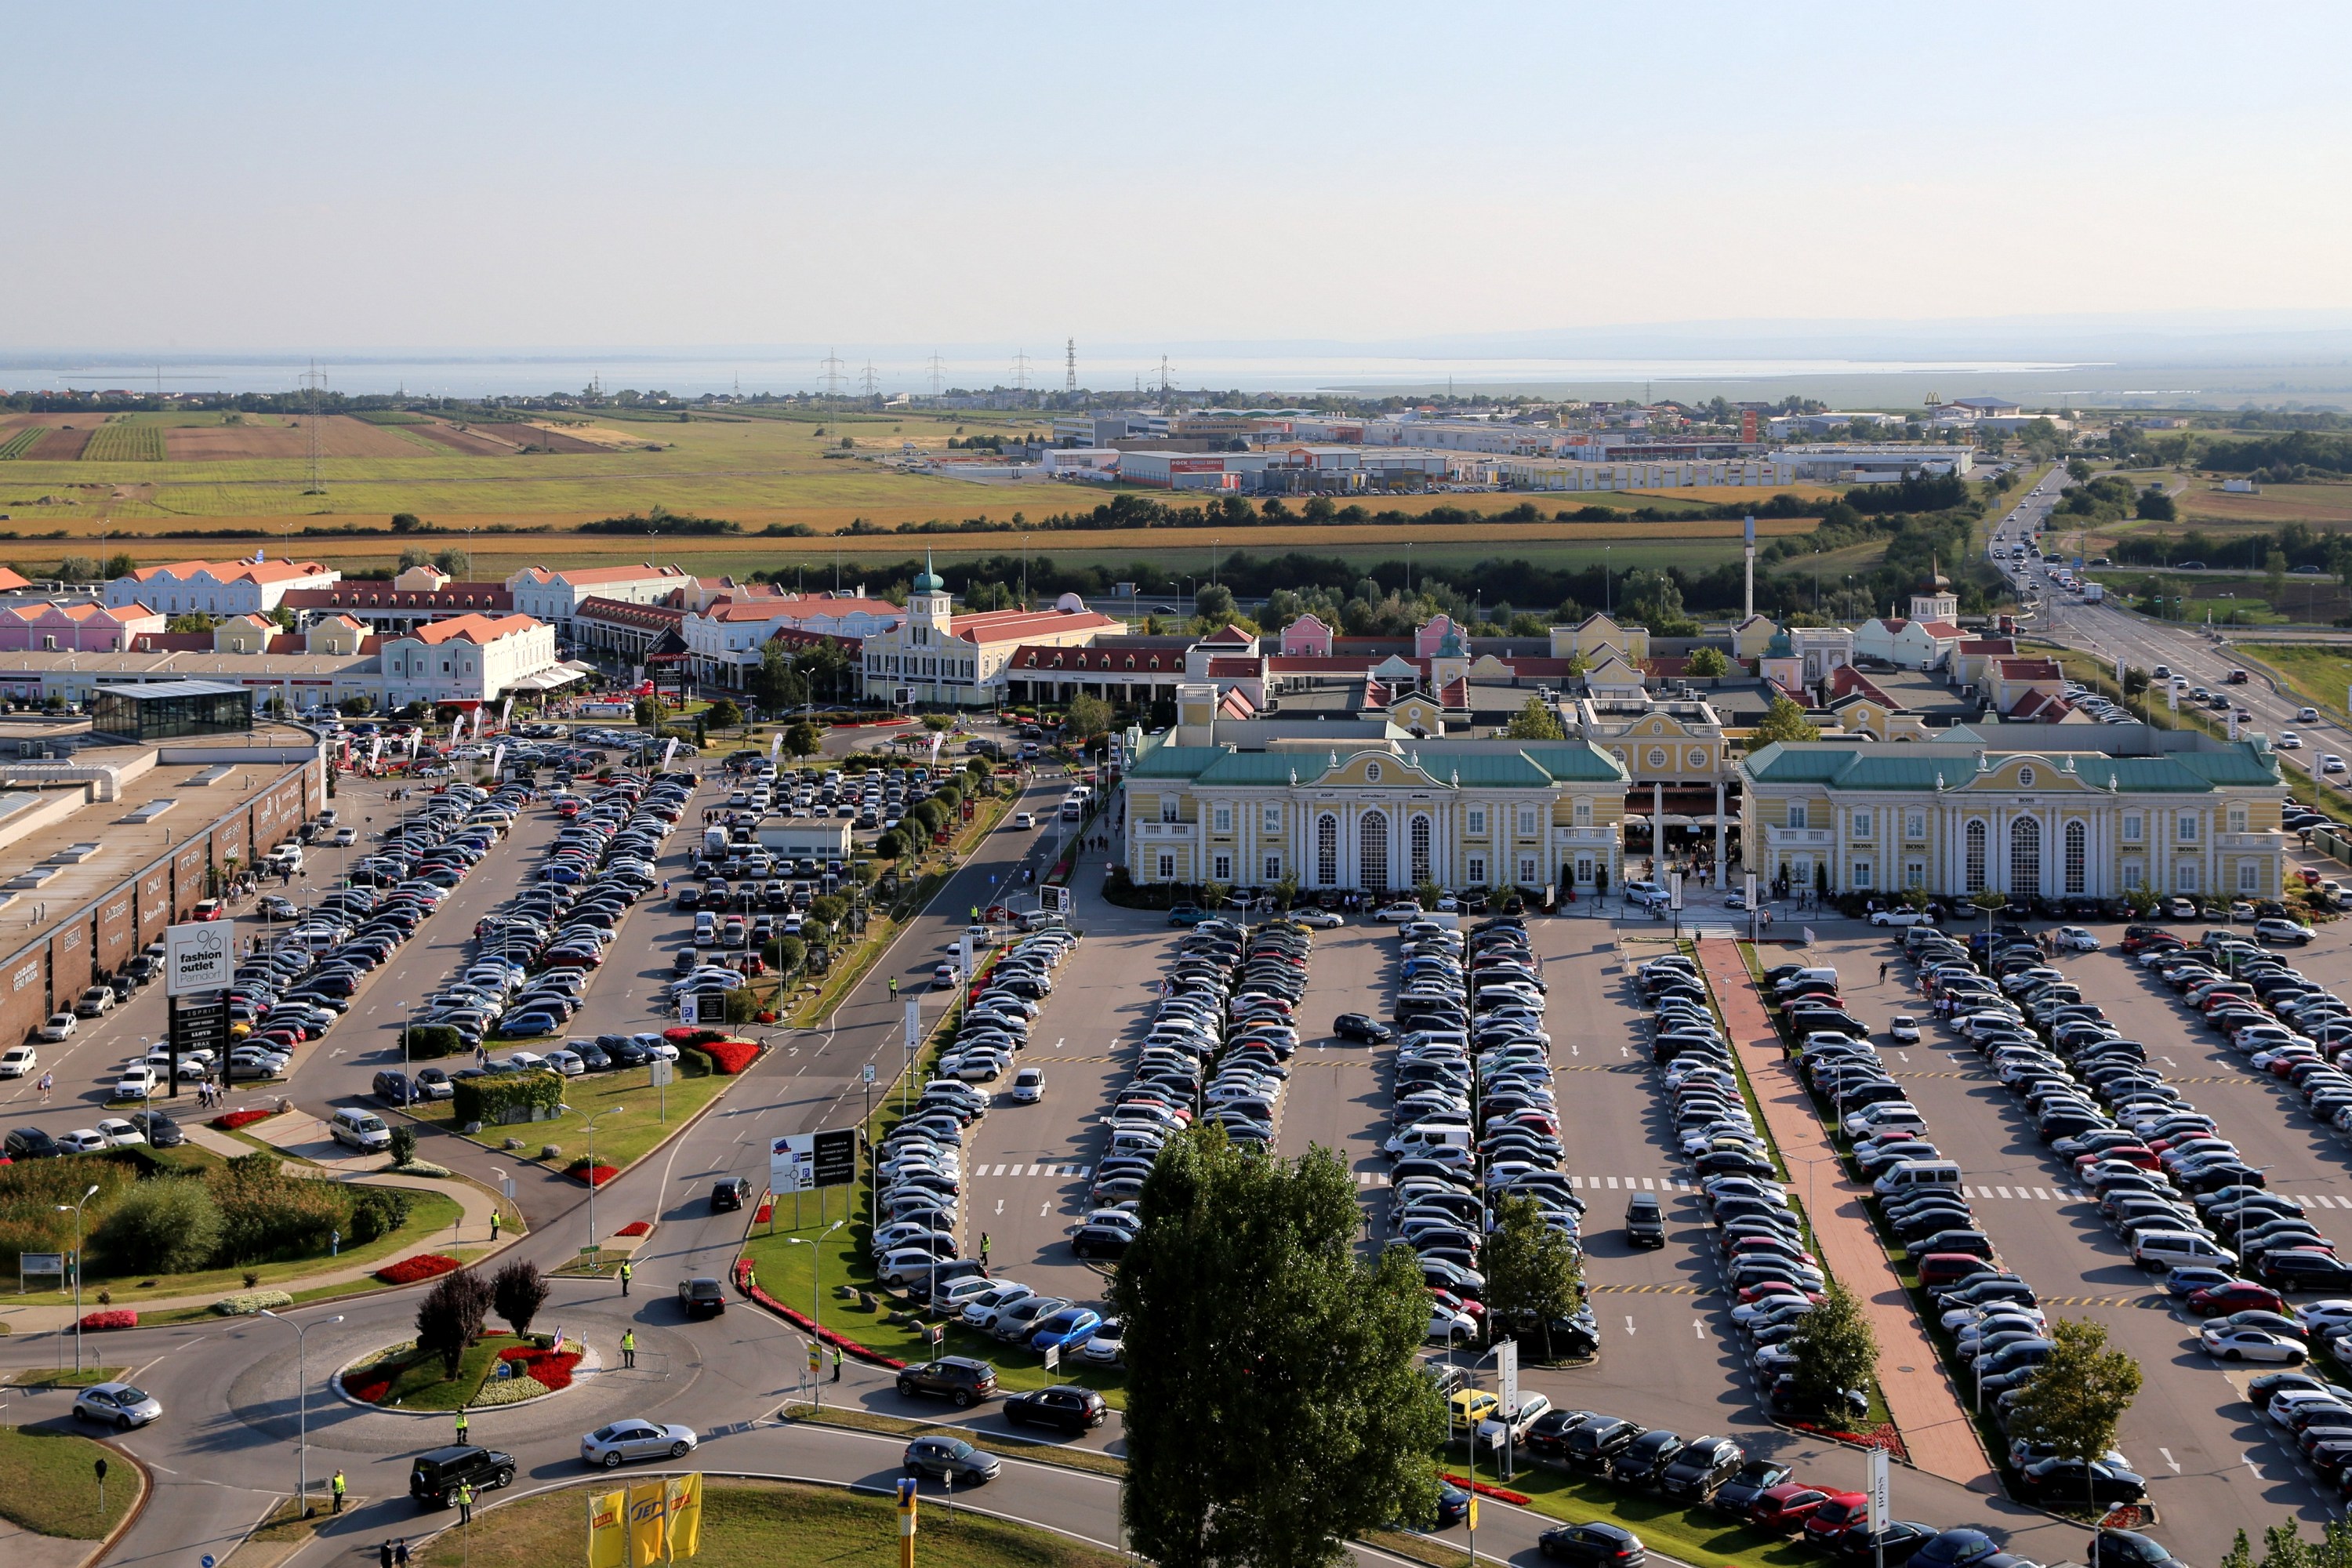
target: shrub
489 1101
120 1318
403 1143
579 1171
513 1390
170 1226
723 1055
551 1368
428 1041
519 1291
377 1212
409 1270
244 1303
267 1214
451 1316
234 1120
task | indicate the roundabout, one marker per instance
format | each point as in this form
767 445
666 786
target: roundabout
522 1370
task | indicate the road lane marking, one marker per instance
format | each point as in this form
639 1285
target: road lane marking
2170 1460
1629 1323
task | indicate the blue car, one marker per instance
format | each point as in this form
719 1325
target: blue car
1067 1328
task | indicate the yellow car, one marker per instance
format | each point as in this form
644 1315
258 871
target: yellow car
1470 1406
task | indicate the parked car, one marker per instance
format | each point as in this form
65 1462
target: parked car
1070 1408
959 1379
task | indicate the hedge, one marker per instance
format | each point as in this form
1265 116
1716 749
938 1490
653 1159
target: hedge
488 1099
244 1303
118 1318
728 1056
427 1041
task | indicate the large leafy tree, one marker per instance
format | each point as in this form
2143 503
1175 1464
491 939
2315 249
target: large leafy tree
1835 1351
519 1291
1784 720
451 1316
1087 717
2075 1402
1535 722
1275 1409
1534 1273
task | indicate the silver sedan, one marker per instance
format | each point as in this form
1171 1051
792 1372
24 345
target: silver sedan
607 1446
118 1404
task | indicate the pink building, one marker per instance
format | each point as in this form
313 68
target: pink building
80 627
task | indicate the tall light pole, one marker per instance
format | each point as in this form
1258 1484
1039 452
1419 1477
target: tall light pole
77 1209
302 1402
592 1121
816 1298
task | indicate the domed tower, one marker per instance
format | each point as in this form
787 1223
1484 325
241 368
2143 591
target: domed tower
931 607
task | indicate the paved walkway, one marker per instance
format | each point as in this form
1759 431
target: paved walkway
303 1136
1926 1408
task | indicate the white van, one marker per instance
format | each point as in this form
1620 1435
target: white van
363 1130
2180 1249
1426 1135
1917 1176
1806 977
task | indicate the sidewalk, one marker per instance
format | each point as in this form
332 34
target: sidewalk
1926 1409
303 1135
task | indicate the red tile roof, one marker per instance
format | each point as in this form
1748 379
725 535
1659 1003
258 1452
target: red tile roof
1012 625
472 628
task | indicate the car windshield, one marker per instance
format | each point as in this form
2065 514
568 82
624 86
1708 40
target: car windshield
960 1450
126 1394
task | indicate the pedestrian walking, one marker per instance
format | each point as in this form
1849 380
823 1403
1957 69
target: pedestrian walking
983 1251
337 1484
628 1347
627 1274
1881 972
465 1502
400 1552
384 1553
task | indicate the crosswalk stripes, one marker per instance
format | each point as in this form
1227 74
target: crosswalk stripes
1653 1289
2031 1194
979 1171
1633 1184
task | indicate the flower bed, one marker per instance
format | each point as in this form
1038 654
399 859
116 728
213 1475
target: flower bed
1883 1435
636 1227
801 1321
579 1171
115 1318
409 1270
244 1303
509 1391
551 1368
1500 1494
730 1057
231 1120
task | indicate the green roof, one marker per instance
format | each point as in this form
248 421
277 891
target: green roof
1474 765
1915 765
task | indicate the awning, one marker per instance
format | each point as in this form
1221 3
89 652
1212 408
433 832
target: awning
548 679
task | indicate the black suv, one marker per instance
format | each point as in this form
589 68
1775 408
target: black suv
434 1478
32 1143
959 1379
1074 1410
728 1194
1645 1225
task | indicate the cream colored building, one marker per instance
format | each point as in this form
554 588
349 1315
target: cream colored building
935 656
1364 806
2101 812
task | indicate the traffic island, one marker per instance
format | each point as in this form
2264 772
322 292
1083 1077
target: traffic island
49 1488
497 1371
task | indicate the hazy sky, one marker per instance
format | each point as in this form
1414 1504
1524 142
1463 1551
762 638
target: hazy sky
479 175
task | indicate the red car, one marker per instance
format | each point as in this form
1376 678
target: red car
1833 1518
2138 1154
2218 1301
1786 1508
1764 1288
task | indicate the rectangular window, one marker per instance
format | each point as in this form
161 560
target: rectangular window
2134 878
1167 868
1915 826
2237 819
1223 869
2188 827
1273 819
1222 817
1274 868
1527 871
2131 827
1477 819
1167 808
1796 814
1526 821
1478 870
1914 874
1584 814
1862 875
2184 877
1862 830
2250 875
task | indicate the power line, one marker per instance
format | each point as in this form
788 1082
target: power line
938 383
1021 371
872 383
830 366
314 381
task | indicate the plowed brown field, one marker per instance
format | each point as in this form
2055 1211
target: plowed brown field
339 436
63 443
468 441
538 435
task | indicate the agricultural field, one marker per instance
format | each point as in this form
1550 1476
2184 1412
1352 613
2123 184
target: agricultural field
15 443
2318 674
2206 504
119 442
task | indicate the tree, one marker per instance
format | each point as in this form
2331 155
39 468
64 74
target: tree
1087 717
1247 1265
2078 470
519 1291
1835 1351
777 684
405 523
1535 722
167 1225
458 563
413 556
2284 1547
451 1316
891 846
118 565
2156 503
1214 604
1285 890
724 714
802 740
2240 1556
1213 895
1534 1273
1707 661
403 1144
1784 720
2075 1401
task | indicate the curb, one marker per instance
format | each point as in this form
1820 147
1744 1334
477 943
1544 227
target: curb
137 1509
801 1322
591 1362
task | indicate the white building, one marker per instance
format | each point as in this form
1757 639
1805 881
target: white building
218 587
935 656
726 638
554 595
469 660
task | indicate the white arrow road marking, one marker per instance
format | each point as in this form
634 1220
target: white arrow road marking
1698 1329
2250 1464
1043 1209
1629 1322
2170 1460
1000 1205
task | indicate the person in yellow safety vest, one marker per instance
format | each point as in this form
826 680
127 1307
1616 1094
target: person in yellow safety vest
338 1484
494 1225
628 1347
627 1274
461 1423
465 1502
836 1363
751 1280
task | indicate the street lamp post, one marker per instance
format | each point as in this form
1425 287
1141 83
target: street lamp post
591 1125
302 1403
77 1209
816 1315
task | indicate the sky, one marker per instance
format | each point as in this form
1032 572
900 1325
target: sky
475 177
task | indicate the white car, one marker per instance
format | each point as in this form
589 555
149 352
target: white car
2288 740
1901 918
60 1027
1319 920
1029 1086
564 1062
119 1134
18 1060
95 1003
2329 762
1103 1348
1398 913
1025 819
138 1081
1446 1325
981 1311
526 1062
2224 1343
2075 938
1903 1029
82 1141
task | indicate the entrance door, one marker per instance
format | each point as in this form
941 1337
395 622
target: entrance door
1372 851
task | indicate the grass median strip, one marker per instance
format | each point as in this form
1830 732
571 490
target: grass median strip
48 1484
1043 1451
1709 1540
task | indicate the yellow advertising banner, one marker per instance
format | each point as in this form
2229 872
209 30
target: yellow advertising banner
684 1515
608 1537
648 1520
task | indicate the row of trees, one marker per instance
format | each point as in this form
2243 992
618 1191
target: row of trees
453 1312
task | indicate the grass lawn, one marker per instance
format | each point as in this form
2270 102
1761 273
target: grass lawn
420 1385
429 1215
1044 1450
35 1377
769 1525
2318 675
621 1141
1695 1535
47 1484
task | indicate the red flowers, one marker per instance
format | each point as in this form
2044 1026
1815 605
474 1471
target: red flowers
232 1120
114 1317
551 1369
730 1057
579 1171
636 1227
801 1321
409 1270
371 1392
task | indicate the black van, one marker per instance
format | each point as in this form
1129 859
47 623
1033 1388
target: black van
434 1478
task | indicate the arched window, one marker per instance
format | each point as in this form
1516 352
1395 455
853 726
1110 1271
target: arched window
2025 857
1372 852
1327 852
1976 861
2077 837
1419 835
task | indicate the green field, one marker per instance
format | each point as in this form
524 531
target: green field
2318 675
21 441
119 441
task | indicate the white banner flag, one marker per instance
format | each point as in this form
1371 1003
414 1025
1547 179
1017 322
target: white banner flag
414 736
375 750
497 758
669 750
506 711
775 744
936 738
